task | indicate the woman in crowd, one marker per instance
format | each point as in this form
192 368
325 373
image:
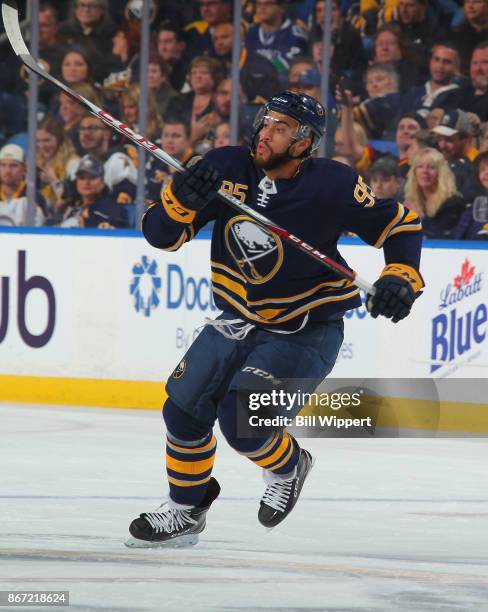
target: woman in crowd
56 159
122 68
76 66
158 84
431 192
129 111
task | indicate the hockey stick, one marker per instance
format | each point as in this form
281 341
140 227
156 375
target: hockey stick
10 15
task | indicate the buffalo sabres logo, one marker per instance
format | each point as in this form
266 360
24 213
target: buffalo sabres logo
257 252
179 370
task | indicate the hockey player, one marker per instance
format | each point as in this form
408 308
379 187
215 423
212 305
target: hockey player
282 310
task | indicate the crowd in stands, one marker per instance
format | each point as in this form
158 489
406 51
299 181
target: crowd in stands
408 103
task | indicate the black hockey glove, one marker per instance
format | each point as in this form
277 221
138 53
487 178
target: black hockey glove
191 190
198 184
396 291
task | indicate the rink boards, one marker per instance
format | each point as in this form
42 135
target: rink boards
103 318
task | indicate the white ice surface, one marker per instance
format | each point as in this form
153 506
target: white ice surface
383 524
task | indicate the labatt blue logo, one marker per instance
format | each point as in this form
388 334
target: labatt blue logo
457 331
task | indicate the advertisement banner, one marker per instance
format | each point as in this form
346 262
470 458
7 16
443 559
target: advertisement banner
114 308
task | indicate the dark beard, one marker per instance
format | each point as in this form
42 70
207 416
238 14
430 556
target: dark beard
273 162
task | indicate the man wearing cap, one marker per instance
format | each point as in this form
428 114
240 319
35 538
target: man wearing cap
453 137
14 206
94 207
385 178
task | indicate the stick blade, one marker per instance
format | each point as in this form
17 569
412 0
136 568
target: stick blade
10 15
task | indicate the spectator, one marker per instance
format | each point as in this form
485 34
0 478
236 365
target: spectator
431 192
307 82
350 141
385 178
391 48
175 140
123 67
170 48
258 76
90 26
94 207
76 66
348 58
484 138
418 28
473 30
56 159
193 106
71 112
14 206
473 97
443 70
473 225
129 111
275 37
377 114
408 126
160 89
199 33
453 136
222 135
50 40
119 161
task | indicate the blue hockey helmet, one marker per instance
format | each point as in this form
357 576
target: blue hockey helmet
308 111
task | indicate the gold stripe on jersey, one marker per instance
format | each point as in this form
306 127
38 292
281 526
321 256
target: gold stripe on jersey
295 313
232 272
405 220
399 214
240 290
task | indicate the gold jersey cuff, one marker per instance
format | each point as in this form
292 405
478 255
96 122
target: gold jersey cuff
174 209
407 273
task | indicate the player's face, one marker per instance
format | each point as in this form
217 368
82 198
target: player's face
274 140
426 174
479 69
46 143
11 172
483 174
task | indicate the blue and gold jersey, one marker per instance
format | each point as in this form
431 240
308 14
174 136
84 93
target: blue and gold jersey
258 277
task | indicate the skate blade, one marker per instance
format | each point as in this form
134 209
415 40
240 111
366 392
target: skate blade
181 542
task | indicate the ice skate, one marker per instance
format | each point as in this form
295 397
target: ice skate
172 525
281 495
